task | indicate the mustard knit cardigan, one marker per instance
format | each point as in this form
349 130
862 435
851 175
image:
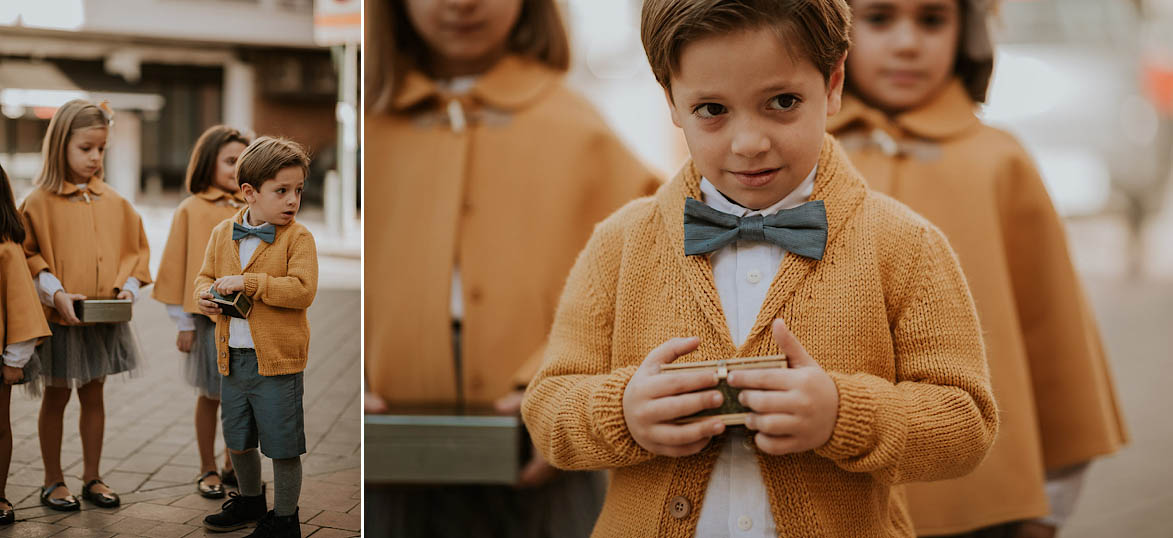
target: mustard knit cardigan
282 279
886 312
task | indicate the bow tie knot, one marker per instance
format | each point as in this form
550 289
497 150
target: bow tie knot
266 233
801 230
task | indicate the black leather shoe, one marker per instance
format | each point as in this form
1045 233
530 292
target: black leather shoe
213 491
236 513
103 500
7 515
275 526
65 504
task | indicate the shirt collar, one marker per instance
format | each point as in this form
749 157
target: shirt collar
800 195
244 221
948 114
95 185
513 83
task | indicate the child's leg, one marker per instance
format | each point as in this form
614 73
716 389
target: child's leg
286 485
49 431
92 426
248 471
206 424
5 440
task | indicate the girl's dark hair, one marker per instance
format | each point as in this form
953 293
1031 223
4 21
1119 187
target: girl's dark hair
393 47
11 228
201 169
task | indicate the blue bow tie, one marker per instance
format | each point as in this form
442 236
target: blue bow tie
801 230
266 233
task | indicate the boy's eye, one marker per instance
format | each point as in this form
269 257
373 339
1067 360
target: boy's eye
708 110
281 191
785 101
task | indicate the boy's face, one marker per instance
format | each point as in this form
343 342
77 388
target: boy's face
903 50
278 199
753 113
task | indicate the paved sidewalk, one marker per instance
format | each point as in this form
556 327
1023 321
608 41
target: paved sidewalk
150 457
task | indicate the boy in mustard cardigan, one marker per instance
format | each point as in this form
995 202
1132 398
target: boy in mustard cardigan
272 259
768 241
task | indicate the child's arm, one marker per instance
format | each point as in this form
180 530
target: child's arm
134 269
939 418
298 287
574 407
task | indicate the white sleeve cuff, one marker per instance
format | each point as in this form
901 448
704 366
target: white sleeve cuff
183 320
47 287
1063 488
132 285
17 355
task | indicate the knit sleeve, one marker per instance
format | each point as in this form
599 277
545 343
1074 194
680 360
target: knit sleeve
299 285
574 404
939 418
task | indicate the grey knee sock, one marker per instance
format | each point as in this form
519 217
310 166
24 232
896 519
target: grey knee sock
248 472
286 485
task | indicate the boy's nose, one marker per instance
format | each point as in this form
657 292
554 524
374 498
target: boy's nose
750 143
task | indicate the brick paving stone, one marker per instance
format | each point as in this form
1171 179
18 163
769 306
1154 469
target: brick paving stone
159 512
337 520
30 529
90 519
332 533
81 532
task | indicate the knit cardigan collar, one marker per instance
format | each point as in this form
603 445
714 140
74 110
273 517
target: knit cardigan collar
836 183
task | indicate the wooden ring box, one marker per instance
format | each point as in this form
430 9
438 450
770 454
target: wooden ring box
732 413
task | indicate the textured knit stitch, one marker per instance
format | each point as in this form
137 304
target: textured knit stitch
282 279
886 312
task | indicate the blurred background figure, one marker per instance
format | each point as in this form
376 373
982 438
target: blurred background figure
170 69
1086 86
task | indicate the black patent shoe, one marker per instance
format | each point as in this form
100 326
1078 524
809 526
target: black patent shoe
7 515
64 504
213 491
236 513
275 526
103 500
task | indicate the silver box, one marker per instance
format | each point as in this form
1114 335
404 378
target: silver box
103 310
443 448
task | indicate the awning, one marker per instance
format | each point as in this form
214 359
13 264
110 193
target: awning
39 84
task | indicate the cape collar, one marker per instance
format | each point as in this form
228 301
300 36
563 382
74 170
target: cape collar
950 113
511 84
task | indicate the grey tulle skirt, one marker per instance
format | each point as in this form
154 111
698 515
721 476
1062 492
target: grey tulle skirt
76 355
199 368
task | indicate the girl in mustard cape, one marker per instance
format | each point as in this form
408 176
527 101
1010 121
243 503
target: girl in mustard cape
915 76
490 174
82 240
211 179
22 324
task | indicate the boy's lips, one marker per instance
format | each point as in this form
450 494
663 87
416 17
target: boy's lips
755 178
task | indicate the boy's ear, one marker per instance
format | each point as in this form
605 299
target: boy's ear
671 107
835 86
247 190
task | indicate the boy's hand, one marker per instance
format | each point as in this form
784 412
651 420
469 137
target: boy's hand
795 408
653 401
185 340
12 374
64 303
229 284
207 306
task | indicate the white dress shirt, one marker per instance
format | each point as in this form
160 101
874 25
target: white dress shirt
239 334
736 503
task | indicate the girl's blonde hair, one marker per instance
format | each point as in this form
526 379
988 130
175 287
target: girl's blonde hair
393 47
72 116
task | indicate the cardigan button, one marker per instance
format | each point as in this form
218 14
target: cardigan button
679 507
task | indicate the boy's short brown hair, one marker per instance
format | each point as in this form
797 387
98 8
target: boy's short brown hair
819 28
266 156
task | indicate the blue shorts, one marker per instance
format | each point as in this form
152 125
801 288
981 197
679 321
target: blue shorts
264 409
